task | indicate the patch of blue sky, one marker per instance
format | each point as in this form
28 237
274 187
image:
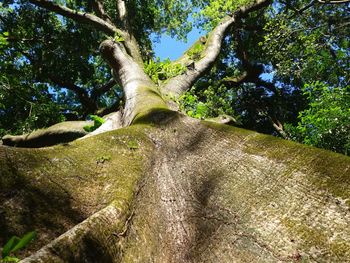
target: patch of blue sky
168 47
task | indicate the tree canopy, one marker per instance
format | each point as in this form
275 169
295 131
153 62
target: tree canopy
269 62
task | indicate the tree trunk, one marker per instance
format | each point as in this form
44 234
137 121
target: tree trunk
168 188
178 190
142 97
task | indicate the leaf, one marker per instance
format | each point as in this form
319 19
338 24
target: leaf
9 246
10 259
88 128
118 37
97 120
24 241
201 109
133 145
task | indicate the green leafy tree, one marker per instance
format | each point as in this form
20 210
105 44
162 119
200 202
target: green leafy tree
154 185
264 59
326 122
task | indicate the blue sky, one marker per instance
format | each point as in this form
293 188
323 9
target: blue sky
171 48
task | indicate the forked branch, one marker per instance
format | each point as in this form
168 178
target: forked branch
179 84
131 44
81 17
100 11
103 23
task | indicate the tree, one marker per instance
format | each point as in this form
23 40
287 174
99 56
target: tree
326 123
161 186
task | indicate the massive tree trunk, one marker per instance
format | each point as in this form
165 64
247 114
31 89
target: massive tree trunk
178 190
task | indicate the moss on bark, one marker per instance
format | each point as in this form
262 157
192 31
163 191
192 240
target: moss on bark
179 191
52 189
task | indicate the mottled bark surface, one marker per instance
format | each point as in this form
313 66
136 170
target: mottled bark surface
180 190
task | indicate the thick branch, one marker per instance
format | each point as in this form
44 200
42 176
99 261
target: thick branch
100 11
98 91
130 41
123 14
179 84
140 92
126 69
85 18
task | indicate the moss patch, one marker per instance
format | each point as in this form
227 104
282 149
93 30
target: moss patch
52 189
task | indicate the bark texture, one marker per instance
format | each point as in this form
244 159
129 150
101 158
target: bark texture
62 132
178 190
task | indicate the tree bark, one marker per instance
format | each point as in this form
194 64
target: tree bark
168 188
141 95
180 191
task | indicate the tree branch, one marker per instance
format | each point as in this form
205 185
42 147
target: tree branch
98 91
333 1
300 11
131 44
138 88
278 126
251 72
100 11
104 24
85 18
179 84
71 86
113 108
123 14
88 103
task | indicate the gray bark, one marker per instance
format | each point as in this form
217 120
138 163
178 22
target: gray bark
204 192
141 94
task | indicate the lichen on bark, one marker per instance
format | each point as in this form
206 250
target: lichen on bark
190 191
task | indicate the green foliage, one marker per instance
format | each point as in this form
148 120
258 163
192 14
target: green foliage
3 39
301 47
195 52
14 244
326 122
118 37
133 144
214 10
103 159
24 108
158 17
193 107
44 49
210 102
98 121
162 70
